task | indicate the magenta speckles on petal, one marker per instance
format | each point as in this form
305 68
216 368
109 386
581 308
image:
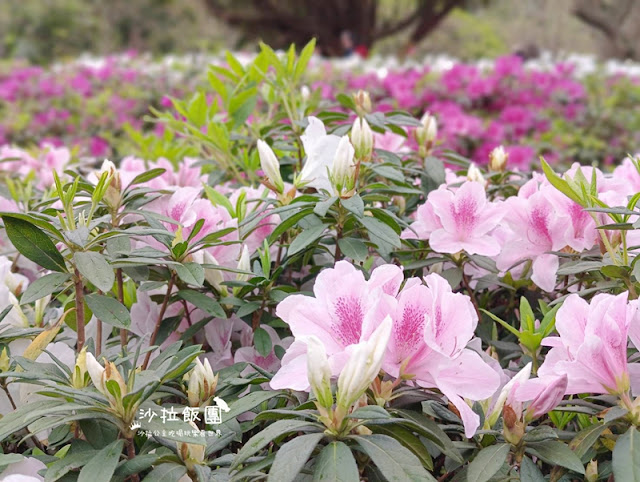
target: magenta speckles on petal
539 233
464 215
409 330
350 315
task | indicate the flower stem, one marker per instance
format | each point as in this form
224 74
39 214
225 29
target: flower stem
163 309
79 309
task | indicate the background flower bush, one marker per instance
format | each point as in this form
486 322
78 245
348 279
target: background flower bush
355 298
567 111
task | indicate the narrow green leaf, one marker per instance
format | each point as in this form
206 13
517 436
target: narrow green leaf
488 461
292 456
262 342
202 301
44 286
394 461
109 310
102 466
94 267
626 456
557 453
190 273
336 464
305 238
33 244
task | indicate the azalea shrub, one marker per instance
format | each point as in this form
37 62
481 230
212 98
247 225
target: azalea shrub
299 298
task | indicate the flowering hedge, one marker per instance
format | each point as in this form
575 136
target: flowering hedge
307 296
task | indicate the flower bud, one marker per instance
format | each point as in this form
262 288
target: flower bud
78 377
519 378
191 454
244 264
212 275
201 384
305 93
362 138
362 101
474 174
271 167
427 133
513 429
319 371
113 193
342 173
547 399
591 473
107 380
5 361
363 365
498 159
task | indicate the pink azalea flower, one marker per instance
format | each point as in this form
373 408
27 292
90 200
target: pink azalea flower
339 318
536 228
466 221
592 347
431 329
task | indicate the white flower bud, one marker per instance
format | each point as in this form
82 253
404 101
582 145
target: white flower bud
212 275
343 169
474 174
191 454
427 133
362 138
244 264
270 166
305 93
363 365
498 159
201 384
363 102
319 371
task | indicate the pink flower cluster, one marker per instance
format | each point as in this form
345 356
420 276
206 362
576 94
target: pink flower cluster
522 233
78 105
431 329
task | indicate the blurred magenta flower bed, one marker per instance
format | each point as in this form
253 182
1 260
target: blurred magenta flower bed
275 277
530 109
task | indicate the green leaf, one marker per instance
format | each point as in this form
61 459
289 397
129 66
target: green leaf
292 456
429 429
96 269
249 402
262 438
353 248
322 207
190 273
408 439
336 464
202 301
109 310
379 231
488 461
434 174
44 286
557 453
305 238
303 60
585 439
262 342
354 204
102 466
394 461
70 462
626 456
560 184
33 244
147 176
529 472
369 412
166 473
